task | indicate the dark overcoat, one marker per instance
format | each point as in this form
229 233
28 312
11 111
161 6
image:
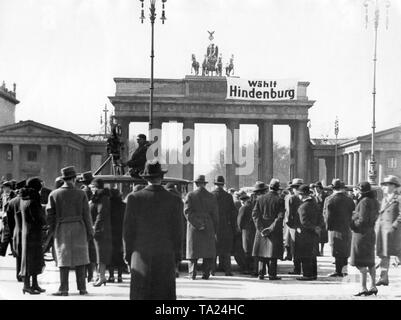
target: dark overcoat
291 219
69 220
338 209
201 212
388 228
268 215
33 220
179 255
363 231
323 236
227 221
117 209
305 235
247 226
44 195
5 232
99 208
152 238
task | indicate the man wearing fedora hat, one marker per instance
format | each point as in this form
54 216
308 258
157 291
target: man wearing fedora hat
320 196
201 212
337 211
388 227
227 225
14 221
6 196
247 226
292 202
86 179
306 228
152 237
70 221
268 214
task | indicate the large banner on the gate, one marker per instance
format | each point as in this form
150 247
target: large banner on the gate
261 90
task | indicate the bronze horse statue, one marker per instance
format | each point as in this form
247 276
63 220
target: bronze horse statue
230 66
195 65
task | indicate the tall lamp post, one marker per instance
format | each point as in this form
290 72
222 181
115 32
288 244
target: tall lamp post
372 166
336 130
152 17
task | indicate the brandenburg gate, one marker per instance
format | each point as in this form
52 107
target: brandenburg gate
202 99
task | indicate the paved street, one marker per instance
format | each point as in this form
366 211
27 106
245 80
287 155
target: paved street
218 287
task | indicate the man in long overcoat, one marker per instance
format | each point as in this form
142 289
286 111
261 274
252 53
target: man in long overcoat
15 223
227 225
388 227
69 220
238 251
247 226
338 209
292 202
306 233
320 196
152 237
201 212
268 214
170 187
5 234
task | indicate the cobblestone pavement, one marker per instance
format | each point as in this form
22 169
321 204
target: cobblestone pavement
217 287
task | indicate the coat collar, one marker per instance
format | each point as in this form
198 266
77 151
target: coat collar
67 185
309 198
154 187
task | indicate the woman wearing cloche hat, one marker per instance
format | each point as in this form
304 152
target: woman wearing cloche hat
363 236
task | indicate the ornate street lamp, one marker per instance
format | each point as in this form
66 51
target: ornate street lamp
152 16
372 167
336 130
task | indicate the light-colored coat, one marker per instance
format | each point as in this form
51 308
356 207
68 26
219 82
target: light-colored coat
68 217
388 228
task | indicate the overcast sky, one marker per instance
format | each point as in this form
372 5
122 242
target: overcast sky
64 54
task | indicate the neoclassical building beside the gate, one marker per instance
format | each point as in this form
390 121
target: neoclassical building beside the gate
196 99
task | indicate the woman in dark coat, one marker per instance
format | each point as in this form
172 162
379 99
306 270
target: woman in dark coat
33 220
117 209
99 208
364 237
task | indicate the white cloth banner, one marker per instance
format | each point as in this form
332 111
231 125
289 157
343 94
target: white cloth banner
261 90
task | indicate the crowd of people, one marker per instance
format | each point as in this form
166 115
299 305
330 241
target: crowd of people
92 229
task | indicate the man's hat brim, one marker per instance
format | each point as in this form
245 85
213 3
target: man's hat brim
390 182
153 175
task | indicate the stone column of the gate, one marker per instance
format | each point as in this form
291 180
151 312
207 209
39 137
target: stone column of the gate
265 150
315 169
293 151
188 150
302 150
232 153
